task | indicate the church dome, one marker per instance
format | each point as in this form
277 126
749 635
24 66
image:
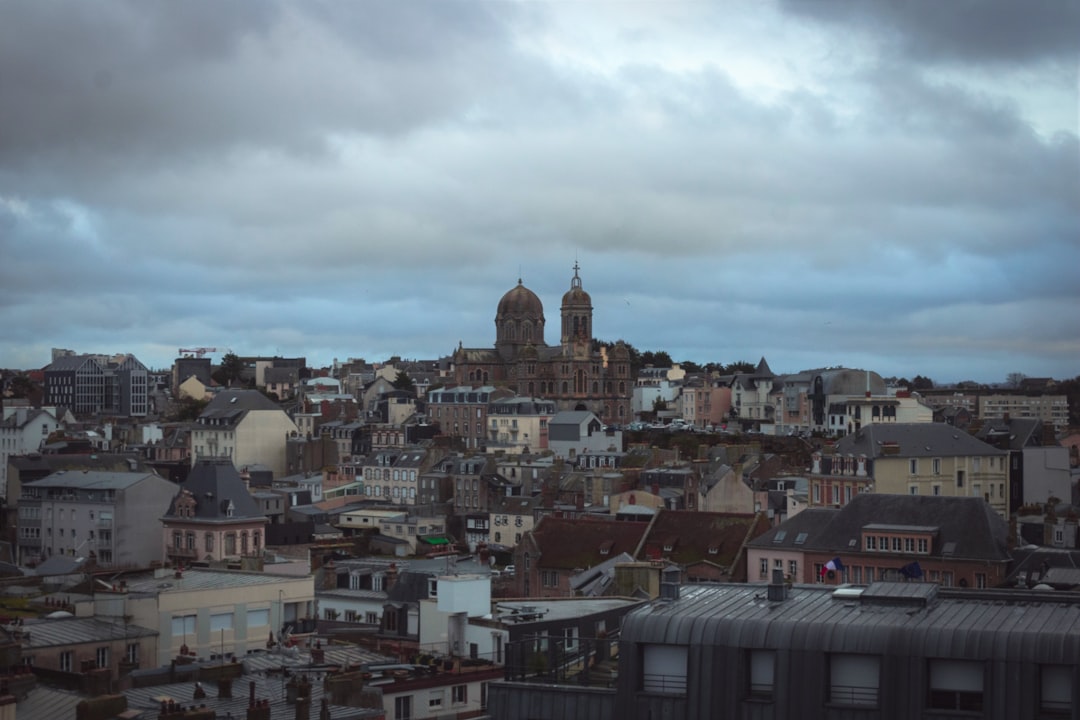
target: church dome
576 296
520 302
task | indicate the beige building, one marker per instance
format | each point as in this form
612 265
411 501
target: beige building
218 612
911 459
194 389
246 427
1053 409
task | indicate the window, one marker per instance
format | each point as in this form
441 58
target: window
403 707
793 569
854 679
102 657
913 466
959 478
183 625
871 542
764 567
762 673
1055 690
956 685
435 698
459 694
258 617
131 654
663 669
896 544
924 545
937 466
65 661
221 621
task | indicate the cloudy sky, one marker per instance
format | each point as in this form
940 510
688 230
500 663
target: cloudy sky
883 185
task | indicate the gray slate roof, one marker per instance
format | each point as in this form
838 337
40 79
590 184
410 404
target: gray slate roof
214 483
230 406
91 480
915 440
969 523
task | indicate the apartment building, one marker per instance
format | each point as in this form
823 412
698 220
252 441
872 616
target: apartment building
112 515
910 459
245 427
98 384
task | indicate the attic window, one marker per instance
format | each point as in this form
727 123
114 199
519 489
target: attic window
714 549
779 537
605 547
801 538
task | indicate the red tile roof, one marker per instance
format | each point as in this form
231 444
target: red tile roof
569 544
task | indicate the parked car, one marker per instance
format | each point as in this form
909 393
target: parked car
508 570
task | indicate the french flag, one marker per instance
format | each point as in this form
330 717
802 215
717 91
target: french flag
833 564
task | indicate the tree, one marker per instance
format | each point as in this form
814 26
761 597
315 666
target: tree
21 386
186 409
922 383
231 368
1014 379
739 366
659 359
690 366
404 382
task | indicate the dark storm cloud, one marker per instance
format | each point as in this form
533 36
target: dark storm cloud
135 83
967 31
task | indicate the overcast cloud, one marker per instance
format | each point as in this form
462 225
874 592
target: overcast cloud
891 186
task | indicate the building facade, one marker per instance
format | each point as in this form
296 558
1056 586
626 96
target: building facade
576 374
112 515
98 384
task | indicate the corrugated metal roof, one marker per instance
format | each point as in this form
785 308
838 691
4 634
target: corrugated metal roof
76 631
90 480
957 623
46 703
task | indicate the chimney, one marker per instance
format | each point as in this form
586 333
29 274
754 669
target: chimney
391 577
303 707
777 588
329 575
224 688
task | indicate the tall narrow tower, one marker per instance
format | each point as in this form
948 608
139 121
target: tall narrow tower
576 317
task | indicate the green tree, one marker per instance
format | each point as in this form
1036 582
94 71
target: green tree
922 383
186 409
690 366
658 359
404 382
739 366
21 386
231 368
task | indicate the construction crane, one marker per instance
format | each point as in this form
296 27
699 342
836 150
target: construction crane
197 352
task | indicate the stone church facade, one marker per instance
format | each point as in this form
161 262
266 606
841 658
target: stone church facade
577 373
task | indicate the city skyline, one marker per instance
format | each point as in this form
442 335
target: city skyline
888 187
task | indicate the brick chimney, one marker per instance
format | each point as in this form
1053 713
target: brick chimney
329 575
391 577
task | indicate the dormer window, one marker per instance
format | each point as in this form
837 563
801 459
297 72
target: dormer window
229 508
713 549
605 547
